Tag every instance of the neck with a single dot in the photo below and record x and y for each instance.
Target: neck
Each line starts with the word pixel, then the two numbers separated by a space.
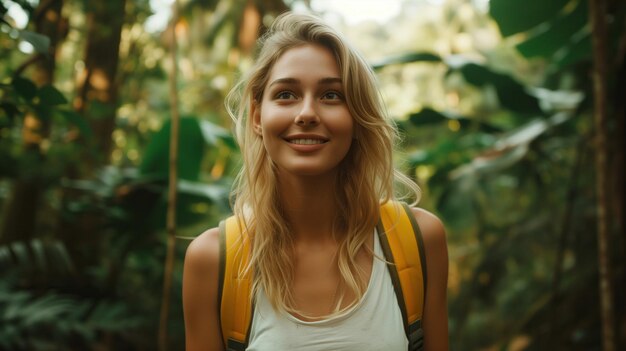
pixel 310 207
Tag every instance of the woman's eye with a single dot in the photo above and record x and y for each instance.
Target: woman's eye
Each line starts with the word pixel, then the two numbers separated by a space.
pixel 332 95
pixel 285 95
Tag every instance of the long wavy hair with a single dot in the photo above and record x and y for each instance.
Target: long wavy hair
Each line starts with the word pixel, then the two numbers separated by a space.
pixel 365 179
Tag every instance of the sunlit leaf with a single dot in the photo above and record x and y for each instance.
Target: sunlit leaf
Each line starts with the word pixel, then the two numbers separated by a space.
pixel 509 149
pixel 527 133
pixel 407 58
pixel 212 132
pixel 558 99
pixel 420 157
pixel 491 162
pixel 210 191
pixel 40 42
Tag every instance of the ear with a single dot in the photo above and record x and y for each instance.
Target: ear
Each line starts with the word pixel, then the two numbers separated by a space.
pixel 255 115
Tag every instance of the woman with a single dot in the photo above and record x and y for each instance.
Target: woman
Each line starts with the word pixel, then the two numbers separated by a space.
pixel 317 150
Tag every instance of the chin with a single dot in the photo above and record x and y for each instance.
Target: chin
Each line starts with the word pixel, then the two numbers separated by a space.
pixel 309 170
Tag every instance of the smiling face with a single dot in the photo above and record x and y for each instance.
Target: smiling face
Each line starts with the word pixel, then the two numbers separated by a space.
pixel 302 117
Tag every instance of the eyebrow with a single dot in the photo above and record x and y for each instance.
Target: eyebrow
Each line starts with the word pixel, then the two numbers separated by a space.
pixel 323 81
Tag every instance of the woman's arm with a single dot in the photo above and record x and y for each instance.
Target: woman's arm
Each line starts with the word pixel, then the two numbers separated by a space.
pixel 435 319
pixel 200 284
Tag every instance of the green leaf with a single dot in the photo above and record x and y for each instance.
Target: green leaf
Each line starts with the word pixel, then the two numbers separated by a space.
pixel 530 131
pixel 557 33
pixel 229 141
pixel 193 197
pixel 212 132
pixel 492 162
pixel 420 157
pixel 552 100
pixel 509 149
pixel 511 94
pixel 51 96
pixel 407 58
pixel 577 51
pixel 428 116
pixel 40 42
pixel 25 88
pixel 212 192
pixel 190 151
pixel 514 16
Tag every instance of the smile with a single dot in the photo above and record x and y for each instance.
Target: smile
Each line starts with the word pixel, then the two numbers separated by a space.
pixel 307 141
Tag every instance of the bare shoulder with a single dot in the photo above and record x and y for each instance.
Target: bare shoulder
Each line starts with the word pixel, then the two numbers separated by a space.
pixel 203 252
pixel 432 228
pixel 435 246
pixel 200 293
pixel 435 317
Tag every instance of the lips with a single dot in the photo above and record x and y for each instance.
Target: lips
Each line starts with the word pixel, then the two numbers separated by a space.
pixel 306 139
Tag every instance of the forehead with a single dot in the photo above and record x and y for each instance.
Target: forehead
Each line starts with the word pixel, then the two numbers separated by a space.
pixel 306 61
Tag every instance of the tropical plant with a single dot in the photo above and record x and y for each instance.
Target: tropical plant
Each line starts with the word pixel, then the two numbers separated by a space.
pixel 510 180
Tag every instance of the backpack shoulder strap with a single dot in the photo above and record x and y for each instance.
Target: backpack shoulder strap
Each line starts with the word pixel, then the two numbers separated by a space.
pixel 402 244
pixel 234 290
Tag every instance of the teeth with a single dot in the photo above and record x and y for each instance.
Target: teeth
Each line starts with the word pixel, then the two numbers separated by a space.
pixel 306 141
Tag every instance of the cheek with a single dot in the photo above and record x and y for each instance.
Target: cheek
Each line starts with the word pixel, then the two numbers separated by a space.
pixel 271 125
pixel 344 125
pixel 272 117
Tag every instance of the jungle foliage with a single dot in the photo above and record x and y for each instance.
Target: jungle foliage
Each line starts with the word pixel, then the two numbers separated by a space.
pixel 505 158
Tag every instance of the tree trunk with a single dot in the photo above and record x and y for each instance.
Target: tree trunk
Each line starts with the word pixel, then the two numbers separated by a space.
pixel 97 102
pixel 20 214
pixel 617 160
pixel 597 16
pixel 98 87
pixel 172 186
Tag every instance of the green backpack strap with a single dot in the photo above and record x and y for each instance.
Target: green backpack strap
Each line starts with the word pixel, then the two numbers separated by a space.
pixel 403 246
pixel 236 305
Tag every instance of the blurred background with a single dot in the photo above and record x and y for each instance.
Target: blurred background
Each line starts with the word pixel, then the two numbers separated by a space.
pixel 514 137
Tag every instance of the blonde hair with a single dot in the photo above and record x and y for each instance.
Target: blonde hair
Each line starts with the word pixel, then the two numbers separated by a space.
pixel 366 175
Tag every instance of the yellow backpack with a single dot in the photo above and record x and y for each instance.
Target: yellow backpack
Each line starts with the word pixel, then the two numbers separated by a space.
pixel 402 244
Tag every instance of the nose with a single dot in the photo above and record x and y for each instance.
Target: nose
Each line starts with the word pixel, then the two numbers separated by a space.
pixel 307 116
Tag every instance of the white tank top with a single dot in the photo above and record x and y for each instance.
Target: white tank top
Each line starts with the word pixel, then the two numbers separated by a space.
pixel 375 323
